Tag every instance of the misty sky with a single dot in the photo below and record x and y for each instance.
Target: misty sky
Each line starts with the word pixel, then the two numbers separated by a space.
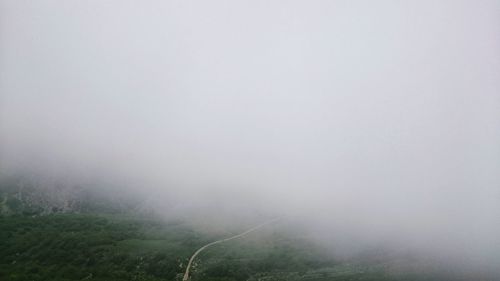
pixel 373 116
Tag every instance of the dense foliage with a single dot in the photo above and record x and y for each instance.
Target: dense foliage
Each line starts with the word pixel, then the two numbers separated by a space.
pixel 81 236
pixel 77 247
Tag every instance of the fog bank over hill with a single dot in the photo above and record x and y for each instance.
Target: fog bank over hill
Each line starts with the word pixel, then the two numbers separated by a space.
pixel 363 123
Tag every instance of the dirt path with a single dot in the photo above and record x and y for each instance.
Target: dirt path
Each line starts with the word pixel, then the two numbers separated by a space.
pixel 186 274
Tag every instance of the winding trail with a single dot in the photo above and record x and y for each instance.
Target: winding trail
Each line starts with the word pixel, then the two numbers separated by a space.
pixel 186 274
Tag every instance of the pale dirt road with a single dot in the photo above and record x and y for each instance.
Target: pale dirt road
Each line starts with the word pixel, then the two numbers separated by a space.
pixel 186 274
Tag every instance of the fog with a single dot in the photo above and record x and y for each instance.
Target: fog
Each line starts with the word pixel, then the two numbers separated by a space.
pixel 366 122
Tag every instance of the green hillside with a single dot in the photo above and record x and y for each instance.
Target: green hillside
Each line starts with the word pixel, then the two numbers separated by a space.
pixel 93 238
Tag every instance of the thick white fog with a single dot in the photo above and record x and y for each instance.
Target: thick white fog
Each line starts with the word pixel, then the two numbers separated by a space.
pixel 373 120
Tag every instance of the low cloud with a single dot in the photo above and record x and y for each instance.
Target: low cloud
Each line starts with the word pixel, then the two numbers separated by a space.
pixel 376 124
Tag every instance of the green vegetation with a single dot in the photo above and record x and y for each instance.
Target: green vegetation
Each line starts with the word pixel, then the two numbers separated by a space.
pixel 86 238
pixel 77 247
pixel 108 247
pixel 270 255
